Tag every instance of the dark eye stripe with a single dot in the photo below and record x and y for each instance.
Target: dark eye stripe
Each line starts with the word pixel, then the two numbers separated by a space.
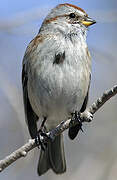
pixel 72 15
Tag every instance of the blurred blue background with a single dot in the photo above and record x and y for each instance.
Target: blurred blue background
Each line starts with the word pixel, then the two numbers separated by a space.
pixel 93 155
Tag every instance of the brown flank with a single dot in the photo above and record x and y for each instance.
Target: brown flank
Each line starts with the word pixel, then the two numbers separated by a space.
pixel 33 44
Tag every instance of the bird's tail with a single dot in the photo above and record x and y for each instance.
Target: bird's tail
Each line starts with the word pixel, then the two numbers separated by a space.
pixel 53 157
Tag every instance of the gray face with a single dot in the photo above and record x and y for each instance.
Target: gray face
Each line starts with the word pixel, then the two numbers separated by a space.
pixel 66 14
pixel 66 10
pixel 66 19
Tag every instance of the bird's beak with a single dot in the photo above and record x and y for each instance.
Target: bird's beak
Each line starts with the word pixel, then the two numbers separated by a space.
pixel 88 21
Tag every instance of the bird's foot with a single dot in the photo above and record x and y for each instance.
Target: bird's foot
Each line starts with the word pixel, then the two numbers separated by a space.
pixel 76 117
pixel 41 139
pixel 85 116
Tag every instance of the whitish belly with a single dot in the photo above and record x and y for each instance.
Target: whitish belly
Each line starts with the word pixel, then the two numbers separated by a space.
pixel 58 92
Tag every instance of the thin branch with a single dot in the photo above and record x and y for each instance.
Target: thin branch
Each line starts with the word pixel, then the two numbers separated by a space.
pixel 104 98
pixel 22 152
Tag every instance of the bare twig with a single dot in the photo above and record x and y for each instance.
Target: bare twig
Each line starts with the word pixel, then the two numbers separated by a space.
pixel 22 152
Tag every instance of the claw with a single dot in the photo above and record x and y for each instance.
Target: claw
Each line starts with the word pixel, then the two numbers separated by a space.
pixel 42 138
pixel 39 140
pixel 76 116
pixel 81 129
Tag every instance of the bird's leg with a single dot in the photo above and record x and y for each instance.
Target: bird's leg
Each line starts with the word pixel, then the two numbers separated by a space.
pixel 76 117
pixel 43 122
pixel 42 136
pixel 39 139
pixel 80 118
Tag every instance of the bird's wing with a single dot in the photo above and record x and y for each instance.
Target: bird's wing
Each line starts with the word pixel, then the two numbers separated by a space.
pixel 30 115
pixel 73 131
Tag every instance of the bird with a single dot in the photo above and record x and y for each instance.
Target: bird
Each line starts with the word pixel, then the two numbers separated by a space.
pixel 56 75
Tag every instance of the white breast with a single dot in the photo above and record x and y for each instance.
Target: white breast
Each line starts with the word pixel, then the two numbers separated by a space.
pixel 56 90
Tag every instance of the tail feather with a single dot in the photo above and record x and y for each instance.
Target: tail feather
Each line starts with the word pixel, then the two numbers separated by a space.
pixel 53 157
pixel 44 162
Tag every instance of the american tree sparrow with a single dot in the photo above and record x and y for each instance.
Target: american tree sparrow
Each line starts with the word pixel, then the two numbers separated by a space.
pixel 56 78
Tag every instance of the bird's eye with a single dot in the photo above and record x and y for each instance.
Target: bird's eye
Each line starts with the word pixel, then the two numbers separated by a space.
pixel 72 15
